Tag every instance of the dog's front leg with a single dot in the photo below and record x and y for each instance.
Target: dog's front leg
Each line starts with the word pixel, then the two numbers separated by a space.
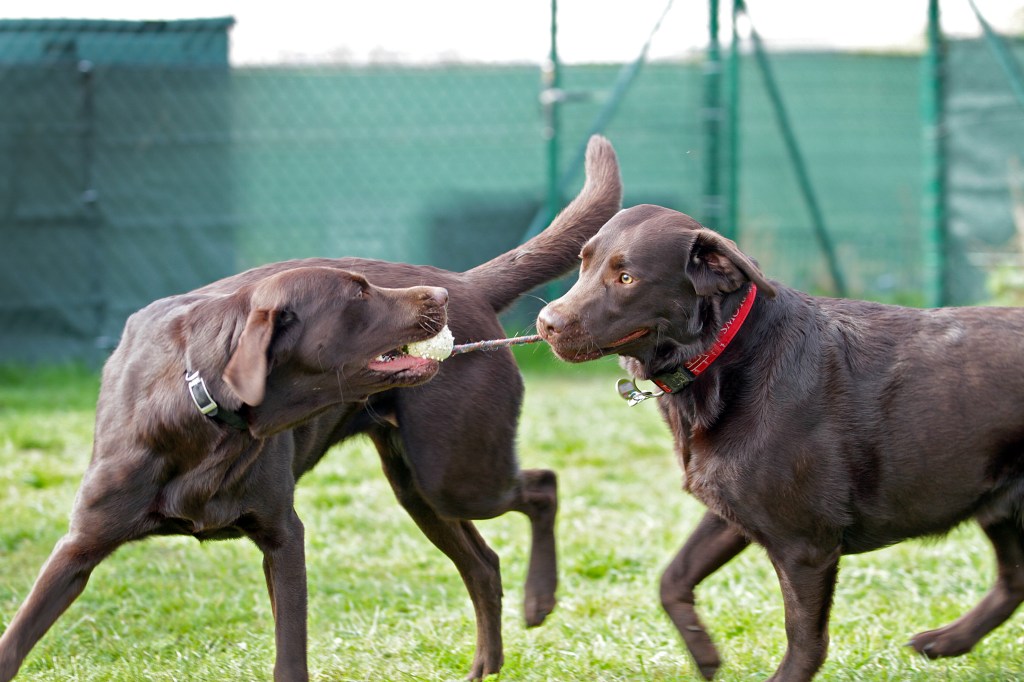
pixel 284 565
pixel 712 544
pixel 807 574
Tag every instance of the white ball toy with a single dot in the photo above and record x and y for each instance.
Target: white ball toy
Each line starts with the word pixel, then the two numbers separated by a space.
pixel 435 348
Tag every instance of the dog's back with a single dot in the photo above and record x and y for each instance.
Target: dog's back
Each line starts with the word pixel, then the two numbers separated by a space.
pixel 923 409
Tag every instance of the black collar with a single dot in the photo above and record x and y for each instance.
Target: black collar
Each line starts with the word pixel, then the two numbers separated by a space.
pixel 208 406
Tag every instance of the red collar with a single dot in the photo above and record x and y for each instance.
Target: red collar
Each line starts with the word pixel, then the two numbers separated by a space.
pixel 673 382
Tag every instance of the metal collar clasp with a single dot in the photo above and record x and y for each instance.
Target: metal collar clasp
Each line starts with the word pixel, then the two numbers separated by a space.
pixel 628 391
pixel 201 395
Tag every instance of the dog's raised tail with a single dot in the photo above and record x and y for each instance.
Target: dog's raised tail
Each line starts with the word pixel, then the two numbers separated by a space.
pixel 554 251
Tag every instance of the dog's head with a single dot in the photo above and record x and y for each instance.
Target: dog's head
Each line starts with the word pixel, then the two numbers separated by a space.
pixel 309 337
pixel 651 285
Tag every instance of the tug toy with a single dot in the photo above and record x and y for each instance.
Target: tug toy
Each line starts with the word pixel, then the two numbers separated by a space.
pixel 494 344
pixel 443 345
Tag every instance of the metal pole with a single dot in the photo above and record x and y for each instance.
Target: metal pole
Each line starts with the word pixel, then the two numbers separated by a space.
pixel 1007 61
pixel 797 159
pixel 731 228
pixel 712 114
pixel 89 210
pixel 627 74
pixel 933 218
pixel 551 98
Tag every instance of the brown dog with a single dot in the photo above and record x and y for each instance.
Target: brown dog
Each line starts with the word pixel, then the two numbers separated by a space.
pixel 814 427
pixel 299 356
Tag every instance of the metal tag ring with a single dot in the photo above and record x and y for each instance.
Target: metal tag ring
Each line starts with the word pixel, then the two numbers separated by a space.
pixel 628 391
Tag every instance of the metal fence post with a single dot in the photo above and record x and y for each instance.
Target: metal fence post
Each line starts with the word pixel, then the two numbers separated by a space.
pixel 733 167
pixel 551 97
pixel 711 113
pixel 1007 62
pixel 627 75
pixel 803 177
pixel 933 217
pixel 88 208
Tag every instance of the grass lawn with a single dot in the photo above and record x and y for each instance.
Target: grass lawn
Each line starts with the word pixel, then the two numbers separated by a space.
pixel 385 605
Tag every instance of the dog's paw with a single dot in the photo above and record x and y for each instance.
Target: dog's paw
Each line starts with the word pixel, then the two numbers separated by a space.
pixel 484 665
pixel 942 643
pixel 536 609
pixel 708 670
pixel 707 662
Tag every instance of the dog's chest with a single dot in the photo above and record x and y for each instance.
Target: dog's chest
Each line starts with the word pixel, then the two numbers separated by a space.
pixel 717 475
pixel 710 478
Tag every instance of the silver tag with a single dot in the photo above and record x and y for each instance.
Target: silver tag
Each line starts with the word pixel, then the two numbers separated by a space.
pixel 628 391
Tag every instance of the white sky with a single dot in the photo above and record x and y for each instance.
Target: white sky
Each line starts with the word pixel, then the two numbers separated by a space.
pixel 518 30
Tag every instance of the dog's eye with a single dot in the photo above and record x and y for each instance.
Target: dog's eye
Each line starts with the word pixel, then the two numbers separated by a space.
pixel 626 278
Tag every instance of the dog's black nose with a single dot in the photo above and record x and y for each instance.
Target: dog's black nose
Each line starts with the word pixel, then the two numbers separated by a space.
pixel 550 322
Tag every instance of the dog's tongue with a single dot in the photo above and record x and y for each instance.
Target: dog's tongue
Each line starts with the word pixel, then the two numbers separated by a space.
pixel 396 362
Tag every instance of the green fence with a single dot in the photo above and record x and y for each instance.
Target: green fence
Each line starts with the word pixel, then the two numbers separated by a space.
pixel 984 144
pixel 136 164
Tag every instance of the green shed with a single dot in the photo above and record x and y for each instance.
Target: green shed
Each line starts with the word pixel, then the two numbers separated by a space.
pixel 113 132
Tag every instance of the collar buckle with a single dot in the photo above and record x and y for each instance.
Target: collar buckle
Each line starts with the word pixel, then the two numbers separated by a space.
pixel 201 395
pixel 628 391
pixel 673 382
pixel 208 406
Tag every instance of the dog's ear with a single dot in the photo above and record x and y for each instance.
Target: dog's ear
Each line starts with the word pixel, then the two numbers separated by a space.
pixel 715 265
pixel 247 369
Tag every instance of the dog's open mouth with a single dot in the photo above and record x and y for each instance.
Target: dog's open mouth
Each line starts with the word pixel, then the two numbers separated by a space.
pixel 632 336
pixel 418 358
pixel 397 360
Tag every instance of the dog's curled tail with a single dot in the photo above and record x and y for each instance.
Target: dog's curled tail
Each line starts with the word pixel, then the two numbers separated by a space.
pixel 554 251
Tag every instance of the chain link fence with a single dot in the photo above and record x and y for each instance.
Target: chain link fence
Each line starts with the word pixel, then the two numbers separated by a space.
pixel 984 152
pixel 137 164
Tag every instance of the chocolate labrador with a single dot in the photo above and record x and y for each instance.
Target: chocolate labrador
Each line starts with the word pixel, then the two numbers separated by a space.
pixel 215 402
pixel 812 426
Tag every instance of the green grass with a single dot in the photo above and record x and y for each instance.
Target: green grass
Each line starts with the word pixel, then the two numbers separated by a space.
pixel 385 605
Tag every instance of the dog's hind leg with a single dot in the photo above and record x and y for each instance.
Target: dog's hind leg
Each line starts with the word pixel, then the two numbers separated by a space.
pixel 61 580
pixel 461 542
pixel 1006 595
pixel 713 543
pixel 539 501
